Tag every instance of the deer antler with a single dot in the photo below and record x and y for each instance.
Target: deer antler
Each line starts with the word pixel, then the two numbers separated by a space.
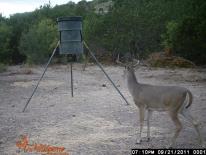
pixel 120 63
pixel 136 62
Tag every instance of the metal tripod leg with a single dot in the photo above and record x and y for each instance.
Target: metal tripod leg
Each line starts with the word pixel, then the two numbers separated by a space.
pixel 41 77
pixel 100 66
pixel 71 80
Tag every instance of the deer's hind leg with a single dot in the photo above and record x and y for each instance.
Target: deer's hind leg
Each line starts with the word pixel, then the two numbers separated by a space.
pixel 175 119
pixel 194 122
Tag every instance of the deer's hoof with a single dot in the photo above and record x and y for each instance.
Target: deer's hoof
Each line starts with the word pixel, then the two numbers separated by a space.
pixel 201 142
pixel 169 146
pixel 148 139
pixel 139 141
pixel 202 145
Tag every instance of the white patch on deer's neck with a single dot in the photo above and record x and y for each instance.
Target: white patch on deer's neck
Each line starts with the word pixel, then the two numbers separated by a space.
pixel 131 81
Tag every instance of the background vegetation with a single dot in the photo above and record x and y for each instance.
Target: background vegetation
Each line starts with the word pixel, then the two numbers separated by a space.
pixel 138 27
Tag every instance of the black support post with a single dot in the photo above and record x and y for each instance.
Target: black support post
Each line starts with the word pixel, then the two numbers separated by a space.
pixel 71 80
pixel 54 51
pixel 101 67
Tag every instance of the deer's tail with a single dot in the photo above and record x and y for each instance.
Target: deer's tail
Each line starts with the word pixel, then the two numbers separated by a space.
pixel 190 99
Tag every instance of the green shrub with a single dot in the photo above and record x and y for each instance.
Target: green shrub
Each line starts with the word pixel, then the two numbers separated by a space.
pixel 162 60
pixel 38 43
pixel 3 67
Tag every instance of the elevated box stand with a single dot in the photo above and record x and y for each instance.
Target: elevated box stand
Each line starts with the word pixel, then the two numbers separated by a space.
pixel 70 44
pixel 70 32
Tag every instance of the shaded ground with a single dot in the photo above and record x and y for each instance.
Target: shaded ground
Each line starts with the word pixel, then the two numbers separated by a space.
pixel 96 120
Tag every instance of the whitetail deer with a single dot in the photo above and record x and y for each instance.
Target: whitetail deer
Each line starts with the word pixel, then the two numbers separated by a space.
pixel 172 99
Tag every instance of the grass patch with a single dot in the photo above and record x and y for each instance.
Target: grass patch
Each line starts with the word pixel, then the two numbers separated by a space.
pixel 162 60
pixel 3 67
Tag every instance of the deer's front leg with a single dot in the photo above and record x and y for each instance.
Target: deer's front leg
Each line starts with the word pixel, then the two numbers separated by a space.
pixel 149 115
pixel 141 113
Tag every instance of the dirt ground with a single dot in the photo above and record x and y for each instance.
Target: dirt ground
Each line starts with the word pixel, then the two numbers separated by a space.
pixel 96 120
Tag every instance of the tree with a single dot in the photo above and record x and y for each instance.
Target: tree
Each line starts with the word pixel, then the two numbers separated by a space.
pixel 186 36
pixel 5 36
pixel 39 41
pixel 190 41
pixel 139 27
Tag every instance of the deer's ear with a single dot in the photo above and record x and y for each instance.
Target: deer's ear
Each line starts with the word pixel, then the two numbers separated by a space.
pixel 125 67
